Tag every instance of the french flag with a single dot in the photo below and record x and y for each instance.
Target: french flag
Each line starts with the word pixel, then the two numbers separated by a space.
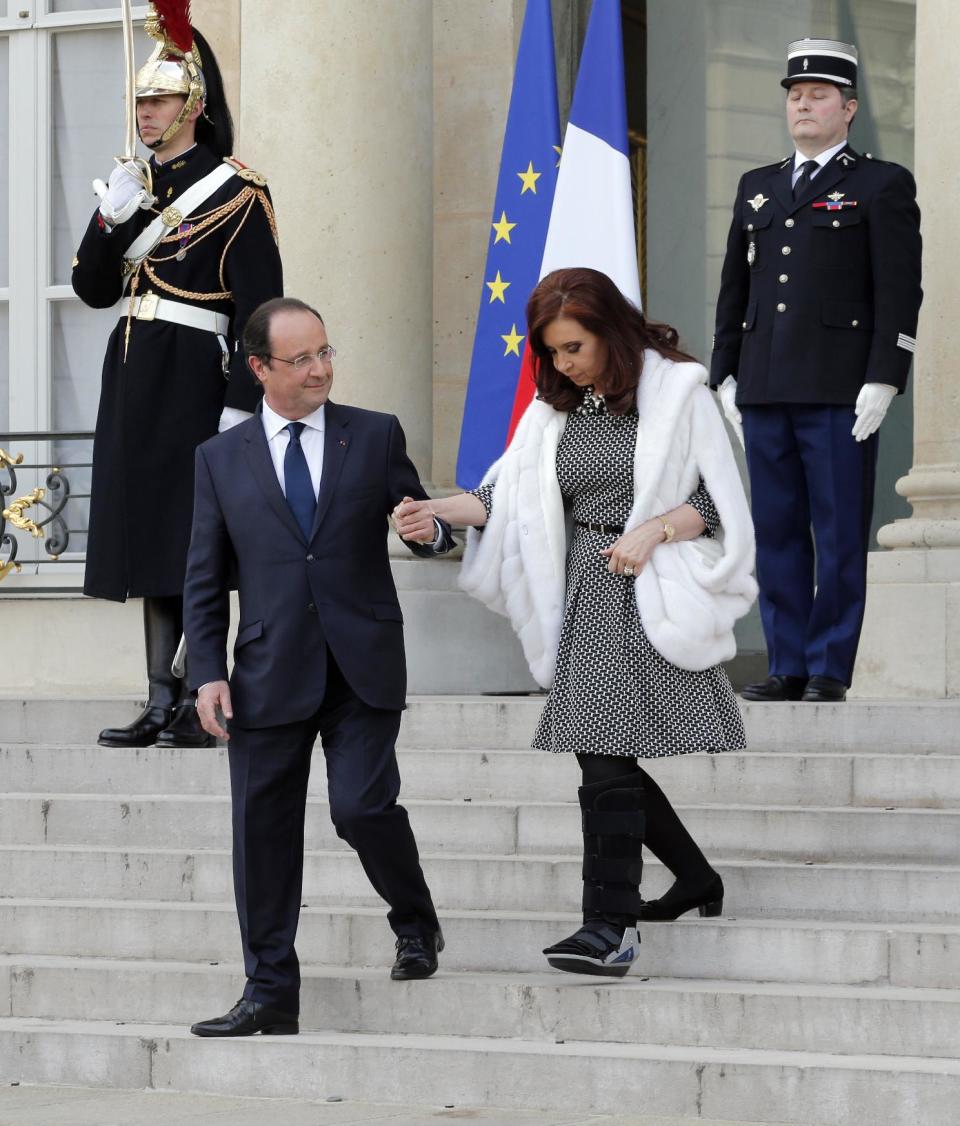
pixel 590 223
pixel 592 219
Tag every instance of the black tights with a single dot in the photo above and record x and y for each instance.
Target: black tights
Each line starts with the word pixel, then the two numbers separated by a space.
pixel 666 836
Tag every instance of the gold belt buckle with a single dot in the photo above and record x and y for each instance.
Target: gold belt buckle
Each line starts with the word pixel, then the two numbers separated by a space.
pixel 147 309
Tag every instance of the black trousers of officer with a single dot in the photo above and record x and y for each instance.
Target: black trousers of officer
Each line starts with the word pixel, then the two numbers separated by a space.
pixel 811 486
pixel 269 771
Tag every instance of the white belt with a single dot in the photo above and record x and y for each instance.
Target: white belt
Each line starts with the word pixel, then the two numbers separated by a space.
pixel 150 307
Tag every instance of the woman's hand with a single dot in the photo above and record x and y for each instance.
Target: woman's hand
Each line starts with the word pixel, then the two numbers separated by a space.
pixel 629 555
pixel 413 520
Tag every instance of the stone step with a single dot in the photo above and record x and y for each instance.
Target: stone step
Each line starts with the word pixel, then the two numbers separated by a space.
pixel 505 827
pixel 908 955
pixel 549 1006
pixel 861 891
pixel 762 1085
pixel 748 778
pixel 477 722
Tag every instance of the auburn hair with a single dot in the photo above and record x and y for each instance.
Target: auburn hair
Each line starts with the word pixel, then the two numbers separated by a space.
pixel 592 299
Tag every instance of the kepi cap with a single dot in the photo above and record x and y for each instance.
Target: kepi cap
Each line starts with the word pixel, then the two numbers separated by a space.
pixel 826 60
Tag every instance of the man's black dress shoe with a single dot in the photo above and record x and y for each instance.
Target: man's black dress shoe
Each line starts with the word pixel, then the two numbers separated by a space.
pixel 824 690
pixel 775 688
pixel 416 956
pixel 142 732
pixel 247 1017
pixel 185 730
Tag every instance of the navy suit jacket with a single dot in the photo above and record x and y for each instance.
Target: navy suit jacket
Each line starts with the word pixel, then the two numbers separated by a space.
pixel 819 294
pixel 298 595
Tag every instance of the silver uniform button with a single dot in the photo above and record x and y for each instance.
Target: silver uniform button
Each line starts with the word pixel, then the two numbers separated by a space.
pixel 788 223
pixel 855 323
pixel 749 226
pixel 785 250
pixel 781 308
pixel 836 222
pixel 784 278
pixel 744 325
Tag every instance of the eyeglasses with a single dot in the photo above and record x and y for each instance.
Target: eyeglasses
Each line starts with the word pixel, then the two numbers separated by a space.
pixel 308 359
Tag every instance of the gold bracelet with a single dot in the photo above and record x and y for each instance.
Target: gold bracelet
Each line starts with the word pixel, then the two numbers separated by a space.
pixel 669 531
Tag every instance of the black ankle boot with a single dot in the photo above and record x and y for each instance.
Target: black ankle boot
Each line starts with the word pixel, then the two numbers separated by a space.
pixel 697 885
pixel 185 730
pixel 681 898
pixel 608 942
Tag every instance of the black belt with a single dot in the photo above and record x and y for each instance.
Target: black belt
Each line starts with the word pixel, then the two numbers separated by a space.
pixel 603 529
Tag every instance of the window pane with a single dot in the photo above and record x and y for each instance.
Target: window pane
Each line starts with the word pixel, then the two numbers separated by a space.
pixel 4 155
pixel 78 337
pixel 4 367
pixel 86 78
pixel 83 5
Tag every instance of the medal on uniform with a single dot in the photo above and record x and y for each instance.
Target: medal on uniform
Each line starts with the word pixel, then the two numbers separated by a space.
pixel 758 201
pixel 751 253
pixel 186 229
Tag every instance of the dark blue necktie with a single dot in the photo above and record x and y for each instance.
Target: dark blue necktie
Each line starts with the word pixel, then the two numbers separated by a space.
pixel 296 480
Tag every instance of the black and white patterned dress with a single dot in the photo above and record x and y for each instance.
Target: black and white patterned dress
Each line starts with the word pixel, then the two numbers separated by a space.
pixel 613 693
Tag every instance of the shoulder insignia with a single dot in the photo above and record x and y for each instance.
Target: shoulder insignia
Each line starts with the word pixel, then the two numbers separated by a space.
pixel 786 161
pixel 249 174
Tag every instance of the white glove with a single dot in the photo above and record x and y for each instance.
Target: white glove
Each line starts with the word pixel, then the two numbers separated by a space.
pixel 872 404
pixel 230 417
pixel 122 195
pixel 728 400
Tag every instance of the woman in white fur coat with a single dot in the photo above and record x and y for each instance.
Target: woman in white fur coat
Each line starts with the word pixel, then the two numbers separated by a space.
pixel 617 539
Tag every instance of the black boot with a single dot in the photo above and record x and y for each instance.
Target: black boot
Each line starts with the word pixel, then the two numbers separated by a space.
pixel 613 826
pixel 697 885
pixel 185 730
pixel 162 627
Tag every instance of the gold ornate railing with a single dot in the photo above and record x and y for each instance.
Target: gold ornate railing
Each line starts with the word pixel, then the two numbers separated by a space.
pixel 42 511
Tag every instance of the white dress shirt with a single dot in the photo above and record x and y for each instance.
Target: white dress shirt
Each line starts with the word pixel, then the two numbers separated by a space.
pixel 311 441
pixel 822 158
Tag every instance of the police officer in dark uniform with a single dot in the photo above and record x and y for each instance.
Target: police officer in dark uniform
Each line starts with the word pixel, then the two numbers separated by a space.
pixel 191 253
pixel 816 327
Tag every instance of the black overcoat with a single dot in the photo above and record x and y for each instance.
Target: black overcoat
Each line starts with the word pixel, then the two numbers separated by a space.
pixel 821 294
pixel 165 398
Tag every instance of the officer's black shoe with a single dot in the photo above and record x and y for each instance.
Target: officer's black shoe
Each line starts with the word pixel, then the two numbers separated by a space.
pixel 824 690
pixel 184 730
pixel 775 688
pixel 416 956
pixel 247 1017
pixel 142 732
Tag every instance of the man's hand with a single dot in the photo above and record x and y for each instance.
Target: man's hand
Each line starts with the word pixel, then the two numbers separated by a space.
pixel 212 696
pixel 413 520
pixel 728 400
pixel 872 404
pixel 122 195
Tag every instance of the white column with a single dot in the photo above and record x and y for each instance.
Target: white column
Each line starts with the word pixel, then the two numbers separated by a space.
pixel 911 639
pixel 336 110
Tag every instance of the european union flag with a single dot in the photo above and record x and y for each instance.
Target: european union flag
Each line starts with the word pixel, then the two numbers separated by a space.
pixel 518 231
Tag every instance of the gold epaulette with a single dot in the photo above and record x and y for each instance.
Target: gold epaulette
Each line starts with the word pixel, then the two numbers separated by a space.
pixel 249 174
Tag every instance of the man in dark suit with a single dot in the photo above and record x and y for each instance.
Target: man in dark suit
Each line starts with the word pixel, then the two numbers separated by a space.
pixel 816 327
pixel 294 504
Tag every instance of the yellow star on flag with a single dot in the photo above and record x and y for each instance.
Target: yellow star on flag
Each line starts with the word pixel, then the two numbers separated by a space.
pixel 559 152
pixel 512 341
pixel 503 228
pixel 529 179
pixel 497 289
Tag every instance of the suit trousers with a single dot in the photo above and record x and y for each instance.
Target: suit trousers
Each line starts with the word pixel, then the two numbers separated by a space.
pixel 812 491
pixel 269 771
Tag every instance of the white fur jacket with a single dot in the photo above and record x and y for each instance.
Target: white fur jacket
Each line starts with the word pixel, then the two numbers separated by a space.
pixel 689 595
